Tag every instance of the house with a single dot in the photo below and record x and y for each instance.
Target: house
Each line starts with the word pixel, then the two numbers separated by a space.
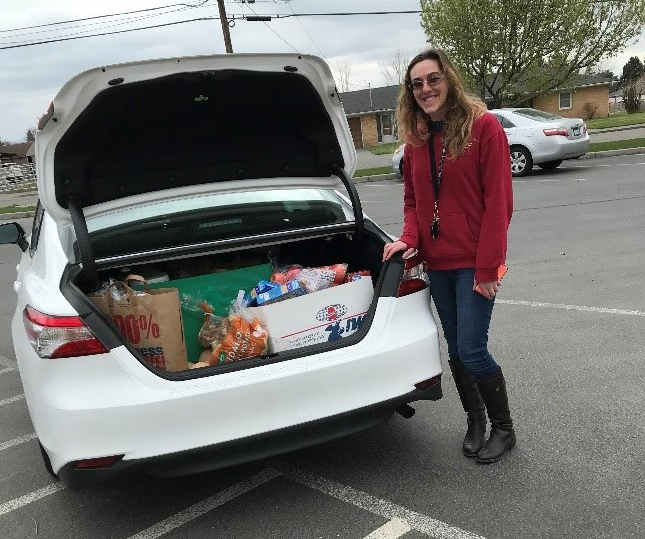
pixel 587 96
pixel 21 154
pixel 370 112
pixel 616 98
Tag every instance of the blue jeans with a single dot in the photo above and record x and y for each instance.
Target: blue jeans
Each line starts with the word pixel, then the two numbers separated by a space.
pixel 465 317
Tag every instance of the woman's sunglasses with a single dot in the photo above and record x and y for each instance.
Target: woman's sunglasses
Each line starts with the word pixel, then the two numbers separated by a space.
pixel 431 80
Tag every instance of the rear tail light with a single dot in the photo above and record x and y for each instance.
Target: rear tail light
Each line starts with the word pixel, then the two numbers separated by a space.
pixel 556 131
pixel 414 277
pixel 430 382
pixel 59 336
pixel 101 462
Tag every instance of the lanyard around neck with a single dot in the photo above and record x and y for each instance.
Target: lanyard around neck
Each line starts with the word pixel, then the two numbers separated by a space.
pixel 436 175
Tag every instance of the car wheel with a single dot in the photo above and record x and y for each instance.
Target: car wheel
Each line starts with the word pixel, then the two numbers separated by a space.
pixel 550 165
pixel 46 461
pixel 521 161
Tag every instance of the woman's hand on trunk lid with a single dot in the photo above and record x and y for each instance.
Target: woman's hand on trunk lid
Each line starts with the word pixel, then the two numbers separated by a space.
pixel 390 248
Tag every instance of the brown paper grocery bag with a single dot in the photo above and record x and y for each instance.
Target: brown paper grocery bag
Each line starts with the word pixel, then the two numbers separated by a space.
pixel 151 321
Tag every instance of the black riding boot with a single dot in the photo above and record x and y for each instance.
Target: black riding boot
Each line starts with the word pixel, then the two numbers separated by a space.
pixel 473 406
pixel 502 435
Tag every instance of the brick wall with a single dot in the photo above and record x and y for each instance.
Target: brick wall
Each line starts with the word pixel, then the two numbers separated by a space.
pixel 596 95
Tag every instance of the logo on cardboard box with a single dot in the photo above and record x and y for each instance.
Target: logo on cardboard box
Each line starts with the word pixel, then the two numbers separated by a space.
pixel 331 313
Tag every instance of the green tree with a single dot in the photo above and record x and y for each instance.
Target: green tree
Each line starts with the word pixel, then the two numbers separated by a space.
pixel 517 50
pixel 632 70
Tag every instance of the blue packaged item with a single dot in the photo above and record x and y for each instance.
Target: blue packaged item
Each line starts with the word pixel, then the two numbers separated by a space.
pixel 279 292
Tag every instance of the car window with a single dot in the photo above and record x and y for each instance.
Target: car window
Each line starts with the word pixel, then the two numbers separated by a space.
pixel 35 228
pixel 193 220
pixel 538 115
pixel 506 123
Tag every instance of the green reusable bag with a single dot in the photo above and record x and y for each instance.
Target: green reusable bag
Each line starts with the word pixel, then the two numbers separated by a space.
pixel 219 290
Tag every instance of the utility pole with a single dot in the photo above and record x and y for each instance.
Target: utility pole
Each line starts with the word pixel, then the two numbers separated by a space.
pixel 224 20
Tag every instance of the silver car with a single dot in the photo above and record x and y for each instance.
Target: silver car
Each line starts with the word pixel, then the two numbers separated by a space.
pixel 540 138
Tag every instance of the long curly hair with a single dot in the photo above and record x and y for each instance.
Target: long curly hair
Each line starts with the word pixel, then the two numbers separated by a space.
pixel 462 109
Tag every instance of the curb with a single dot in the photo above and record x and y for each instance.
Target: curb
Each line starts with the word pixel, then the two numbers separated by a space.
pixel 12 216
pixel 614 129
pixel 611 153
pixel 375 178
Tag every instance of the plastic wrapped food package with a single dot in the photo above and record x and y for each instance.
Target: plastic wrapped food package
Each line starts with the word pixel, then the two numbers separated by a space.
pixel 311 279
pixel 243 339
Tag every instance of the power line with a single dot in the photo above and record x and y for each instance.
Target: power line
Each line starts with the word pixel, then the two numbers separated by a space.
pixel 307 32
pixel 231 17
pixel 109 33
pixel 112 24
pixel 105 16
pixel 276 33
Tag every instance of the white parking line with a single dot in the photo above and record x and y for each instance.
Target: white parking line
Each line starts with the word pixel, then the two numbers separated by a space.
pixel 197 510
pixel 390 530
pixel 570 307
pixel 12 399
pixel 29 498
pixel 17 441
pixel 417 521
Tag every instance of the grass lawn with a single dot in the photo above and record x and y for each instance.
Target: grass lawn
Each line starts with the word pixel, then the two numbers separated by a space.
pixel 14 208
pixel 382 149
pixel 372 171
pixel 617 145
pixel 617 120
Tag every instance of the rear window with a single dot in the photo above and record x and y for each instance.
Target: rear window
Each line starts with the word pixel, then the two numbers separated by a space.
pixel 537 115
pixel 193 220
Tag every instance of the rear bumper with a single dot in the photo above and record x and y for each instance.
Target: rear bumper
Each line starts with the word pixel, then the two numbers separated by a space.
pixel 225 455
pixel 561 149
pixel 110 404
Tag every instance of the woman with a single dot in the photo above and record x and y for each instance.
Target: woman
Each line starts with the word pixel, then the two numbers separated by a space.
pixel 458 202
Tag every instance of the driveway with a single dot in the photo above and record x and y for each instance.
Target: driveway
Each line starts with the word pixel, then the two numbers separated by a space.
pixel 366 159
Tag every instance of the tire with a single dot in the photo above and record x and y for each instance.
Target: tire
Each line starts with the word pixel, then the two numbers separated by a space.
pixel 47 462
pixel 521 161
pixel 550 165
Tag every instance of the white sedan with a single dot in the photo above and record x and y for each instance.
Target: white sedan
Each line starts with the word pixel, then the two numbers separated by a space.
pixel 540 138
pixel 152 168
pixel 535 137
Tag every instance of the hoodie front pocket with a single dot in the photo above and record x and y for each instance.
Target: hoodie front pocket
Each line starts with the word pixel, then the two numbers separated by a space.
pixel 455 238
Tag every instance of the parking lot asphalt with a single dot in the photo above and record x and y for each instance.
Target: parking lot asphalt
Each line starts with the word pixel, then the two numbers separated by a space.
pixel 568 331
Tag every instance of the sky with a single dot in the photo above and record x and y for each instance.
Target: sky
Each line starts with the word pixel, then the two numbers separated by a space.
pixel 30 76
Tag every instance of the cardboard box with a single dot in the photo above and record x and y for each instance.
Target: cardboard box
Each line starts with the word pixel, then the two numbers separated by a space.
pixel 326 315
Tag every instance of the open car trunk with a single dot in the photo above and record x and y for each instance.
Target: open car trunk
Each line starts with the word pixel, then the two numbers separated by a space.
pixel 218 276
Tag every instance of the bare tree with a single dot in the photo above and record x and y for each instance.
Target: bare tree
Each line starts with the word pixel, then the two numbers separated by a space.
pixel 394 69
pixel 342 74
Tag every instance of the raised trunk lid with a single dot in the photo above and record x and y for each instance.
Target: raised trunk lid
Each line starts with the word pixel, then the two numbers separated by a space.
pixel 170 128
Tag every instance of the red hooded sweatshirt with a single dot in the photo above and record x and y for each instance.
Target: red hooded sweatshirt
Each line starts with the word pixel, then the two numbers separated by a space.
pixel 475 202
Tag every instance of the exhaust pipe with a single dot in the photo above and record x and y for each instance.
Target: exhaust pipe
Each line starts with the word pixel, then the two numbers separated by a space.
pixel 405 410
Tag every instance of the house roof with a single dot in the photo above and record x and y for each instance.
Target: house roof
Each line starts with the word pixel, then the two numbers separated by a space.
pixel 385 98
pixel 577 81
pixel 17 150
pixel 370 100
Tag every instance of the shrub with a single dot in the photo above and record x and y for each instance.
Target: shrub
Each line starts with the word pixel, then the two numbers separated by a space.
pixel 632 99
pixel 590 110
